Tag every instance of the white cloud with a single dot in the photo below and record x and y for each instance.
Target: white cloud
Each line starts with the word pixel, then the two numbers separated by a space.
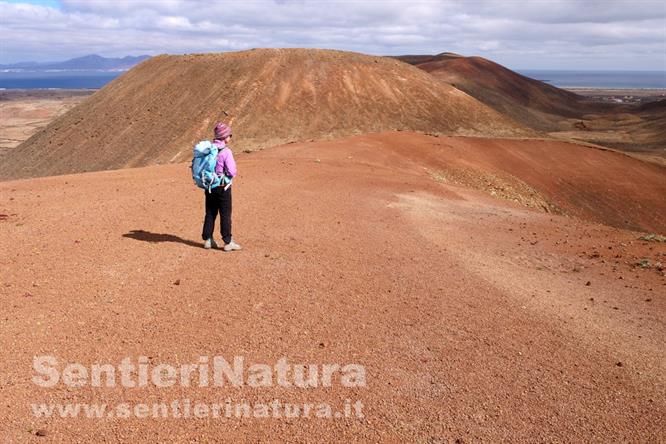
pixel 547 33
pixel 174 23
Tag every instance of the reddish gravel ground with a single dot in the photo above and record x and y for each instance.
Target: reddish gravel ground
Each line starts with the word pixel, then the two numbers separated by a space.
pixel 474 317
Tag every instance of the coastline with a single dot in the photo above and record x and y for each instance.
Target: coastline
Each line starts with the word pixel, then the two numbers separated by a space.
pixel 598 90
pixel 43 93
pixel 635 96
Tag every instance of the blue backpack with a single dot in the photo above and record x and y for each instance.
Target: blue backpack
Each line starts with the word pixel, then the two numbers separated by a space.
pixel 203 166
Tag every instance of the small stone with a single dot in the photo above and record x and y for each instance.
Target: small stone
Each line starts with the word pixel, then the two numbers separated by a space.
pixel 40 432
pixel 619 364
pixel 588 283
pixel 177 282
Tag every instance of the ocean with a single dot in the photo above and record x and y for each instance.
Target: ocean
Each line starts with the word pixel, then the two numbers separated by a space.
pixel 56 80
pixel 585 79
pixel 599 79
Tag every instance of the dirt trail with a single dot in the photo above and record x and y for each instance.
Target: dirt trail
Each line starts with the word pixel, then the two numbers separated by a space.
pixel 601 186
pixel 472 315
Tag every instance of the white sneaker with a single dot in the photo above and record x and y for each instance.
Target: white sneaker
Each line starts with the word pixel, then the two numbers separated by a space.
pixel 232 246
pixel 210 243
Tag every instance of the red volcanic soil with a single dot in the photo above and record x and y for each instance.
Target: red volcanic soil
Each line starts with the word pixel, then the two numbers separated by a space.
pixel 476 318
pixel 155 113
pixel 594 184
pixel 543 107
pixel 496 77
pixel 423 58
pixel 527 100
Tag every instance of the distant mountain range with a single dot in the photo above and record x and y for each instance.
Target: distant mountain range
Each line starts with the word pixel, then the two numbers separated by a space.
pixel 91 62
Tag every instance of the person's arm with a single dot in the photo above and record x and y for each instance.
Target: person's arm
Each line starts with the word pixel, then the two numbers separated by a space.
pixel 219 165
pixel 229 163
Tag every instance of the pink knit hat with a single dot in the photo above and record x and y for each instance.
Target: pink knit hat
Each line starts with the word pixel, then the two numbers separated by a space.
pixel 222 131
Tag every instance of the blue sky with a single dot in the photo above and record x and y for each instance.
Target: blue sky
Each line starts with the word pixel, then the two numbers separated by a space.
pixel 51 3
pixel 521 34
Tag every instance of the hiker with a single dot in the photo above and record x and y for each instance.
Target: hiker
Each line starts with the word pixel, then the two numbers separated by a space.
pixel 218 199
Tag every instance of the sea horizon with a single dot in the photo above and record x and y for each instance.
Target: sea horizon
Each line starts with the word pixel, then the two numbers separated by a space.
pixel 600 79
pixel 597 79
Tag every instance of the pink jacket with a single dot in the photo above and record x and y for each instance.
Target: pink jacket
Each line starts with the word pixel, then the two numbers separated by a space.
pixel 225 160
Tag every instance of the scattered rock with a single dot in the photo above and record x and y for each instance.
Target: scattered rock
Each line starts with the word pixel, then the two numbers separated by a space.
pixel 177 282
pixel 40 432
pixel 619 364
pixel 643 263
pixel 588 283
pixel 653 238
pixel 581 125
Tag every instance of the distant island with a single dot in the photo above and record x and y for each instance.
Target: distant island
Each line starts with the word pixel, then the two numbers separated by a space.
pixel 90 62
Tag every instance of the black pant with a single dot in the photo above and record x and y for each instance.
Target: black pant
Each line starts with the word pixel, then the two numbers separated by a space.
pixel 218 200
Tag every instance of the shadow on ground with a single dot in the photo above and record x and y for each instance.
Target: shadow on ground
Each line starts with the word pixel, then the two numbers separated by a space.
pixel 147 236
